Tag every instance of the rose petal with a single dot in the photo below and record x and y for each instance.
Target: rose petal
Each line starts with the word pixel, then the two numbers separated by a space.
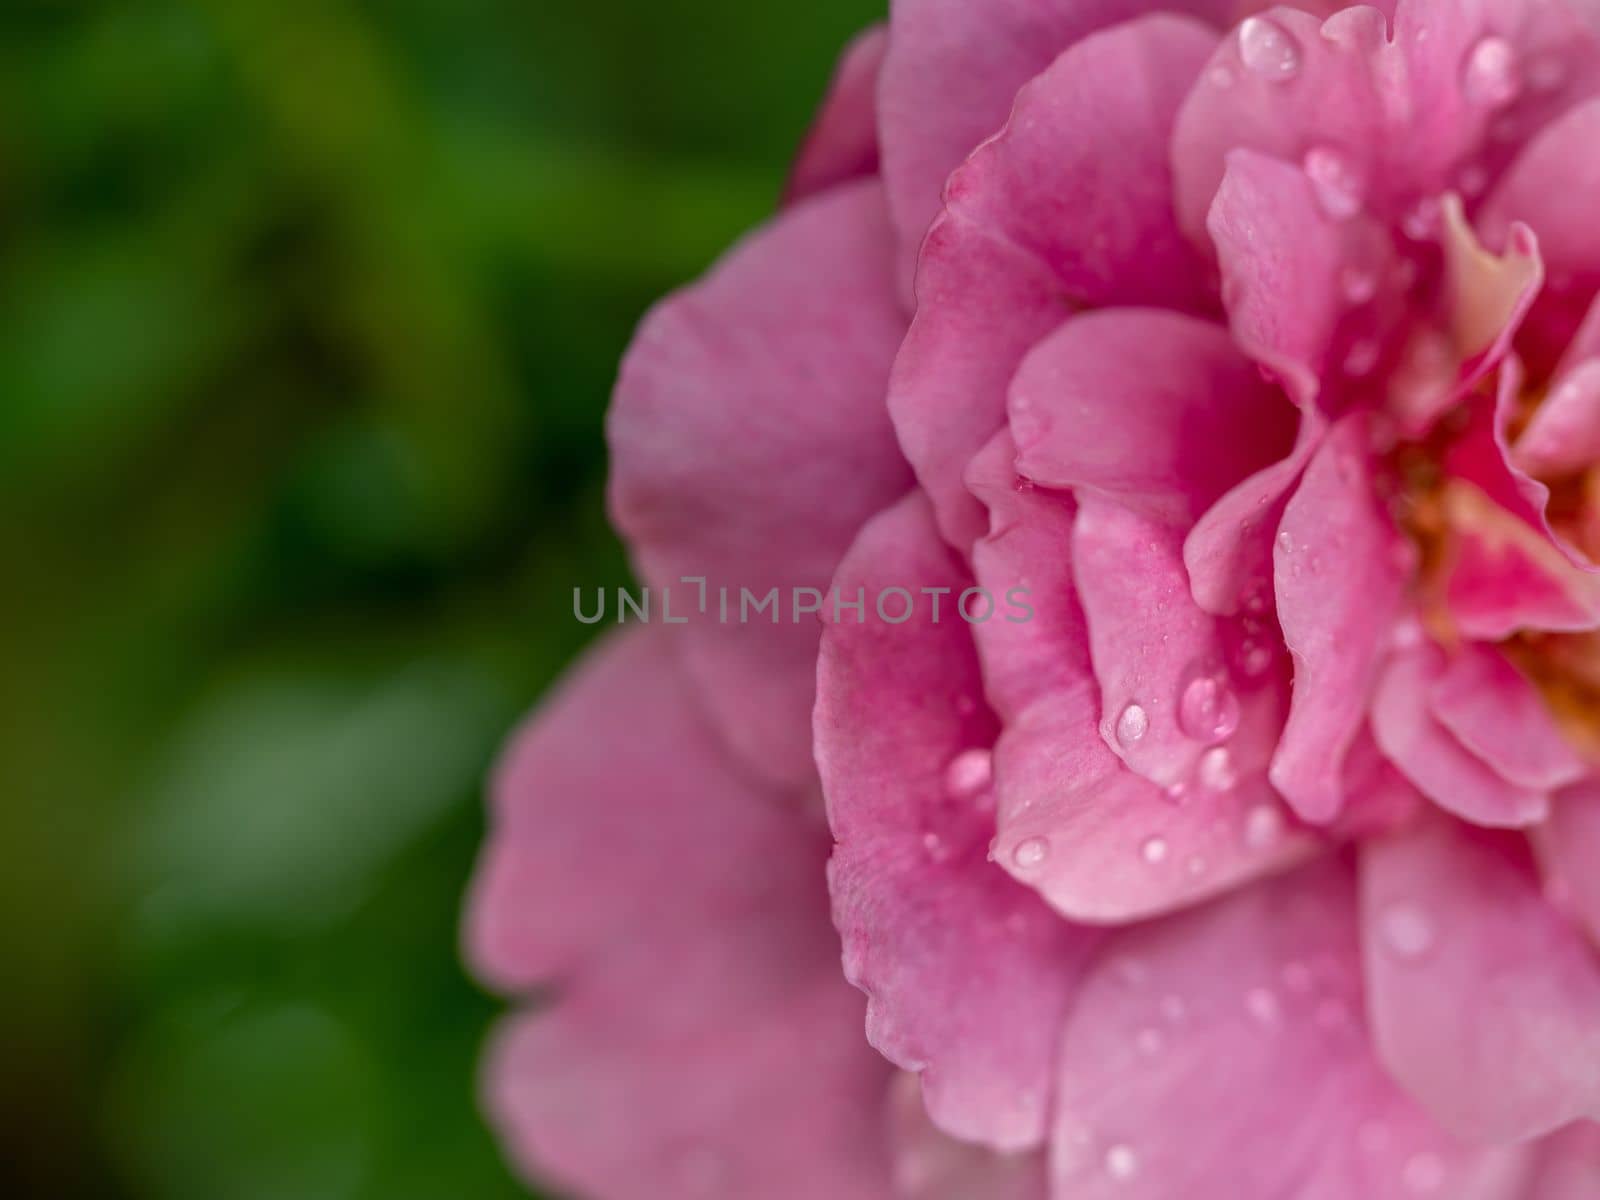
pixel 748 444
pixel 930 1165
pixel 967 973
pixel 1569 1164
pixel 1568 845
pixel 843 141
pixel 700 1042
pixel 1500 717
pixel 1339 566
pixel 1428 754
pixel 1248 1012
pixel 1485 1001
pixel 1069 204
pixel 1155 409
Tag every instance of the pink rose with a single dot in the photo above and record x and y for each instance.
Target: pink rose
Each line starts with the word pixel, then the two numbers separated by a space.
pixel 1233 832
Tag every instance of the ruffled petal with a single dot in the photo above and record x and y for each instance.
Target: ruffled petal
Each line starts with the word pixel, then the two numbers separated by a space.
pixel 953 71
pixel 1100 842
pixel 1069 205
pixel 1485 1001
pixel 843 142
pixel 1339 566
pixel 967 973
pixel 1290 268
pixel 1154 409
pixel 1499 716
pixel 749 441
pixel 1248 1012
pixel 699 1042
pixel 1428 754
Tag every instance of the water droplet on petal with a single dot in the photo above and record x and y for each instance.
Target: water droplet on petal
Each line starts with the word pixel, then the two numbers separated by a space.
pixel 1286 542
pixel 1254 659
pixel 1030 852
pixel 1154 850
pixel 1216 769
pixel 1263 825
pixel 969 773
pixel 1406 930
pixel 1421 220
pixel 1121 1162
pixel 1220 76
pixel 1177 792
pixel 1424 1174
pixel 1132 725
pixel 1268 49
pixel 1361 357
pixel 1490 74
pixel 1336 182
pixel 1262 1005
pixel 936 847
pixel 1208 709
pixel 1358 285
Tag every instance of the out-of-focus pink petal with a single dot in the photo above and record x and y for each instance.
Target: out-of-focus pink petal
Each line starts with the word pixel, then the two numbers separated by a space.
pixel 1428 754
pixel 1099 842
pixel 953 71
pixel 749 441
pixel 931 1165
pixel 1289 267
pixel 1246 1011
pixel 843 142
pixel 1503 574
pixel 1069 205
pixel 1154 409
pixel 1500 717
pixel 1485 1001
pixel 1229 551
pixel 699 1042
pixel 1568 845
pixel 1339 565
pixel 967 973
pixel 1563 436
pixel 1568 1166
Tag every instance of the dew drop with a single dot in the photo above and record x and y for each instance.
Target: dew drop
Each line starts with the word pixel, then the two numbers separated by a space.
pixel 936 847
pixel 1423 1174
pixel 969 773
pixel 1361 358
pixel 1220 76
pixel 1208 709
pixel 1254 659
pixel 1421 220
pixel 1216 769
pixel 1286 542
pixel 1262 1005
pixel 1178 792
pixel 1336 182
pixel 1490 74
pixel 1263 825
pixel 1121 1162
pixel 1030 852
pixel 1406 930
pixel 1268 49
pixel 1358 285
pixel 1154 850
pixel 1132 725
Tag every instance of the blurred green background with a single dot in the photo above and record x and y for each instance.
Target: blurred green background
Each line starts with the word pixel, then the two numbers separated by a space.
pixel 308 314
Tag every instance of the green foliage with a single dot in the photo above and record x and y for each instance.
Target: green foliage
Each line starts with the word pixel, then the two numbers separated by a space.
pixel 308 314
